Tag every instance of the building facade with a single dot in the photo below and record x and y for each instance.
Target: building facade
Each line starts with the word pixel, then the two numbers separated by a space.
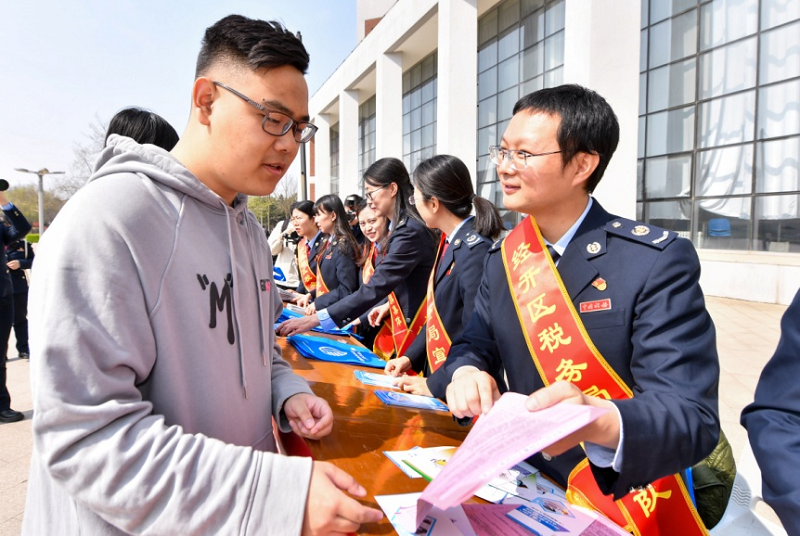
pixel 707 93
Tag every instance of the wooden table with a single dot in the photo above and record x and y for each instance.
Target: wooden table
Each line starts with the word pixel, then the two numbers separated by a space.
pixel 364 427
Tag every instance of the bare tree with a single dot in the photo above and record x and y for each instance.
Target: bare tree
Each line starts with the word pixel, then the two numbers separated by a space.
pixel 85 153
pixel 286 193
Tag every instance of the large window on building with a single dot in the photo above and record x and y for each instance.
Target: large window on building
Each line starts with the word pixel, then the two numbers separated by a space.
pixel 520 50
pixel 419 112
pixel 335 159
pixel 366 135
pixel 719 121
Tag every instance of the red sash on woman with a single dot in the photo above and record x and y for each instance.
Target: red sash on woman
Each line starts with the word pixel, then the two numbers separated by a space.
pixel 322 288
pixel 562 350
pixel 383 345
pixel 306 273
pixel 437 341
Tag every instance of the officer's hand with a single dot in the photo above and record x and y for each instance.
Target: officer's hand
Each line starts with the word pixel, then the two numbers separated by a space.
pixel 397 366
pixel 328 509
pixel 472 392
pixel 416 385
pixel 603 431
pixel 377 314
pixel 309 416
pixel 294 326
pixel 301 300
pixel 13 265
pixel 311 309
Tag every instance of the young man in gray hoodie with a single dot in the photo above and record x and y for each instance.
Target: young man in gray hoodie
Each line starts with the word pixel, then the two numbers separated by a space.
pixel 156 373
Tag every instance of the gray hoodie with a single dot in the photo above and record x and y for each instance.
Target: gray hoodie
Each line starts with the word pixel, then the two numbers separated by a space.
pixel 155 371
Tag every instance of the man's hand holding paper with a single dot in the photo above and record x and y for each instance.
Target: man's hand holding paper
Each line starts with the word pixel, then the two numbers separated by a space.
pixel 604 431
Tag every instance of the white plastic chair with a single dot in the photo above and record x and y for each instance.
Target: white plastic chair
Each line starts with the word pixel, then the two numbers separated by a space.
pixel 740 518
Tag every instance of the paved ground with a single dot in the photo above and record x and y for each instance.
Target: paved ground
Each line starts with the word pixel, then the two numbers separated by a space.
pixel 747 334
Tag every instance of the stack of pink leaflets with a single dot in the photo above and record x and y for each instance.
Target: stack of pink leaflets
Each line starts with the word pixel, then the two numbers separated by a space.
pixel 508 434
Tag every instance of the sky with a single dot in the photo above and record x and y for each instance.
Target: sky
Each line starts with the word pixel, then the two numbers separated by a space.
pixel 63 65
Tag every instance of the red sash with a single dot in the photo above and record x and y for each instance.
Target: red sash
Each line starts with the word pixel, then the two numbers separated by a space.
pixel 383 345
pixel 562 350
pixel 322 288
pixel 437 341
pixel 402 334
pixel 306 274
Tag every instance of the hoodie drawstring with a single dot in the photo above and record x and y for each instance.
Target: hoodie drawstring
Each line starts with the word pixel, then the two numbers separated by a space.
pixel 258 269
pixel 234 287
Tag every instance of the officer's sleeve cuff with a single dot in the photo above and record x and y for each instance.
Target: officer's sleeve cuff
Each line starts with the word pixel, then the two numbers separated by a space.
pixel 325 320
pixel 8 206
pixel 603 456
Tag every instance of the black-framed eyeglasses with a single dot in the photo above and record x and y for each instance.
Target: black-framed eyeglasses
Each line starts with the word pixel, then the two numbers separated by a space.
pixel 518 159
pixel 277 123
pixel 369 195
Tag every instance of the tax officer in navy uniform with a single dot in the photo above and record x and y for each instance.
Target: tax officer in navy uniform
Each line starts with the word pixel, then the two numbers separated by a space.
pixel 637 284
pixel 336 259
pixel 773 423
pixel 312 239
pixel 408 258
pixel 15 228
pixel 446 200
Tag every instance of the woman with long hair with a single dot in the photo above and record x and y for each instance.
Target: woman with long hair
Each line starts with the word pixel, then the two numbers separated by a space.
pixel 402 273
pixel 337 272
pixel 311 242
pixel 444 196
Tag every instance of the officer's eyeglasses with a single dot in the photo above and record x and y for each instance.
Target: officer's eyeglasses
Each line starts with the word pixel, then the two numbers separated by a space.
pixel 369 195
pixel 277 123
pixel 518 159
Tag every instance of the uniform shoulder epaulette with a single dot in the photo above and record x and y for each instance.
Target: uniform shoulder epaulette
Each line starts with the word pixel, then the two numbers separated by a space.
pixel 644 233
pixel 496 245
pixel 473 239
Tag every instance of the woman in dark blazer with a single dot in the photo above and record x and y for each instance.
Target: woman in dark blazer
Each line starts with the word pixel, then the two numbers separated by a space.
pixel 409 255
pixel 337 272
pixel 311 242
pixel 445 199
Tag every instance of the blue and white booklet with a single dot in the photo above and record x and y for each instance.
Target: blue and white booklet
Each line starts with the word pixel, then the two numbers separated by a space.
pixel 325 349
pixel 376 380
pixel 406 400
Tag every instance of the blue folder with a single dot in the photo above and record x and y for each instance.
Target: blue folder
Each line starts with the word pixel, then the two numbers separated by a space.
pixel 324 349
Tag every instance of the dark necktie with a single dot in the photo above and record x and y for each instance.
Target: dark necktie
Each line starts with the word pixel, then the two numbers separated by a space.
pixel 553 253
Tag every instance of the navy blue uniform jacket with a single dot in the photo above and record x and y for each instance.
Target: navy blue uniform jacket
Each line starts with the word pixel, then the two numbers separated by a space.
pixel 316 248
pixel 16 231
pixel 773 423
pixel 17 251
pixel 657 336
pixel 339 271
pixel 457 278
pixel 409 259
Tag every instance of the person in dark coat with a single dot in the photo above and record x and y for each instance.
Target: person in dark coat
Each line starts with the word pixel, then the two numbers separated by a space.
pixel 337 271
pixel 312 240
pixel 408 255
pixel 773 423
pixel 634 288
pixel 351 203
pixel 20 258
pixel 15 228
pixel 445 198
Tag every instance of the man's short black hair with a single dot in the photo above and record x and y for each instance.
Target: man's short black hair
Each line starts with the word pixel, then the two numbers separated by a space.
pixel 256 44
pixel 588 124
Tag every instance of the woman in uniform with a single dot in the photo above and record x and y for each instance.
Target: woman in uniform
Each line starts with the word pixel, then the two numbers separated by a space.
pixel 311 242
pixel 402 275
pixel 445 199
pixel 337 272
